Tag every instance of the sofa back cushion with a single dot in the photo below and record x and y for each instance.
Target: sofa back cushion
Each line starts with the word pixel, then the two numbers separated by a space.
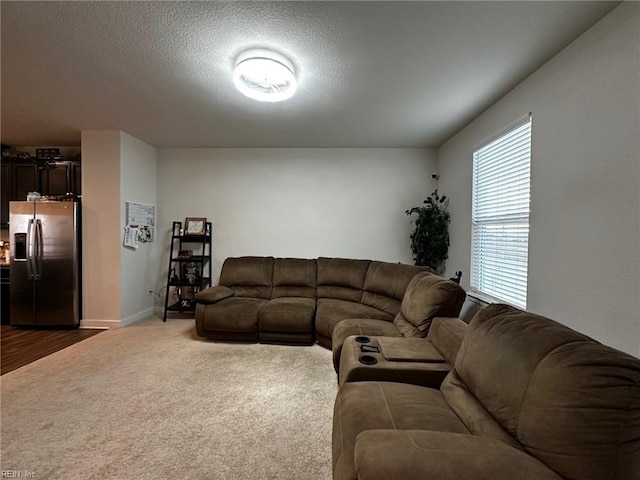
pixel 572 402
pixel 248 276
pixel 427 296
pixel 385 284
pixel 294 277
pixel 341 278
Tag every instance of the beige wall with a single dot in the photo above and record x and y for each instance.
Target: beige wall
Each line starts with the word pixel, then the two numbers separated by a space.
pixel 101 228
pixel 296 202
pixel 115 168
pixel 584 260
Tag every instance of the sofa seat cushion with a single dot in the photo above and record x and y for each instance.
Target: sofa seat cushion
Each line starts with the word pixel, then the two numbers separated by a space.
pixel 359 326
pixel 363 406
pixel 442 455
pixel 332 311
pixel 287 314
pixel 235 314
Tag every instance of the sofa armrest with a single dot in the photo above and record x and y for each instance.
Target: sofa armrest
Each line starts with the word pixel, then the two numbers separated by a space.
pixel 446 334
pixel 421 454
pixel 213 294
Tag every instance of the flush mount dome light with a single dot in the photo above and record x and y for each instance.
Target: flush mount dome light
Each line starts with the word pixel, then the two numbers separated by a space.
pixel 264 76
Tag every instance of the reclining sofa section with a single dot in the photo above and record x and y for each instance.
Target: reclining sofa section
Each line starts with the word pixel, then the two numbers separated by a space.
pixel 528 398
pixel 294 300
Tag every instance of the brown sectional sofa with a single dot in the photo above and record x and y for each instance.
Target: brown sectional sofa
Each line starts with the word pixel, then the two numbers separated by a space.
pixel 292 300
pixel 528 398
pixel 512 395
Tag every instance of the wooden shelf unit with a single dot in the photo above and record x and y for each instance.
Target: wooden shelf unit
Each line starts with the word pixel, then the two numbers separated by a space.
pixel 187 275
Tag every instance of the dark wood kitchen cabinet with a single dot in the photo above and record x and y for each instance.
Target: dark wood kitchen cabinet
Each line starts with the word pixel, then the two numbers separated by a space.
pixel 21 176
pixel 57 180
pixel 24 179
pixel 76 177
pixel 5 193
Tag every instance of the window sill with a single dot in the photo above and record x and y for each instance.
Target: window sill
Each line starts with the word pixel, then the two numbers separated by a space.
pixel 483 299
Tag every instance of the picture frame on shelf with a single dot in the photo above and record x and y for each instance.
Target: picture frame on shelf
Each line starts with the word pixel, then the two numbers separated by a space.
pixel 185 253
pixel 195 226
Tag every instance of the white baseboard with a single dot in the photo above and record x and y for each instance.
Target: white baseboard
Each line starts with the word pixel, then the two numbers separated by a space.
pixel 94 323
pixel 138 316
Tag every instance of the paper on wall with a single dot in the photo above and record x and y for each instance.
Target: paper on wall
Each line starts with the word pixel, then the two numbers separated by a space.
pixel 130 236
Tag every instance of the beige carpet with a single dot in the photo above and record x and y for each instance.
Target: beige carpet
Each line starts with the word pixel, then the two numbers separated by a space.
pixel 152 401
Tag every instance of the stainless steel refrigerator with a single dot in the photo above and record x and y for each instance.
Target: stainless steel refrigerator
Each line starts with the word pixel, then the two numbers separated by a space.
pixel 45 285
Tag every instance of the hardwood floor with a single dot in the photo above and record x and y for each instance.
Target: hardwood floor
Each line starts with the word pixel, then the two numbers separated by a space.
pixel 20 346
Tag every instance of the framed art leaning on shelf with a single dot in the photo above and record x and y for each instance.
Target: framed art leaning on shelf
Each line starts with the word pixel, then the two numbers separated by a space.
pixel 195 226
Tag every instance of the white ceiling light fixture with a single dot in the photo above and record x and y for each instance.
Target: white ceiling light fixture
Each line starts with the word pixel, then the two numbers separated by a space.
pixel 264 76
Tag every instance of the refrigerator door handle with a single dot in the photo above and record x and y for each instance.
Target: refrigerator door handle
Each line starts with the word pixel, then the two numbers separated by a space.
pixel 39 251
pixel 30 250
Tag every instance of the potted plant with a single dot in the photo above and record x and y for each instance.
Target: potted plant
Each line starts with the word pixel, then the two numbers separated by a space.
pixel 430 239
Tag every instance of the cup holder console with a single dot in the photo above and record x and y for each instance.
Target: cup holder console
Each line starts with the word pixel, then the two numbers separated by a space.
pixel 368 359
pixel 363 339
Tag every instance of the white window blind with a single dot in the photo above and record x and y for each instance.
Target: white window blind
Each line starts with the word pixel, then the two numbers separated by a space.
pixel 500 216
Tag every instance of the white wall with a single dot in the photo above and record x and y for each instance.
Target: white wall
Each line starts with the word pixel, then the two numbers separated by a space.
pixel 138 267
pixel 296 202
pixel 584 258
pixel 101 228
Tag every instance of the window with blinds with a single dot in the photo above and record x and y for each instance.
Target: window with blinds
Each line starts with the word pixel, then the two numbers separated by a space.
pixel 500 215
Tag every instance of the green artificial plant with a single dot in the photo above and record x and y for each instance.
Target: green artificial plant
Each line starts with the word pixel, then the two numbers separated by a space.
pixel 430 239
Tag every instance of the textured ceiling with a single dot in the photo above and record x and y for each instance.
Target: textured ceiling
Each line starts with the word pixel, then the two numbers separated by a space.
pixel 371 74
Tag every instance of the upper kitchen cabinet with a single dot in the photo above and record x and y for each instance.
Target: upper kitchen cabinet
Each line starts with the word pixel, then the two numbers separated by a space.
pixel 24 178
pixel 59 178
pixel 76 177
pixel 5 192
pixel 54 178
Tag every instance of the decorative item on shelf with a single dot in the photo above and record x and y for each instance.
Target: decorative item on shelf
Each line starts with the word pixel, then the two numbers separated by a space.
pixel 195 226
pixel 177 295
pixel 430 239
pixel 13 152
pixel 174 277
pixel 191 272
pixel 192 294
pixel 185 253
pixel 47 152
